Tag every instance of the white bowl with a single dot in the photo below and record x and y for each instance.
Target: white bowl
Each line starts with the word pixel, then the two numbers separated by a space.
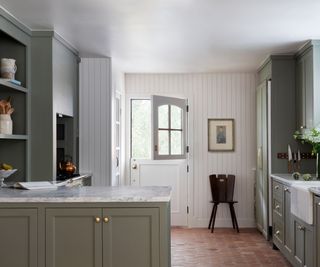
pixel 6 173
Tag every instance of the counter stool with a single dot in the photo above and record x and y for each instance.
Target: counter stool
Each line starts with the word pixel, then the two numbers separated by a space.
pixel 222 189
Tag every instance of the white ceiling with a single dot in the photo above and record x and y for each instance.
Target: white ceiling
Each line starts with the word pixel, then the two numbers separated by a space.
pixel 176 35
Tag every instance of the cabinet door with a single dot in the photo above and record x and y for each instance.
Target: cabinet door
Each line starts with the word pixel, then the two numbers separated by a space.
pixel 300 94
pixel 18 237
pixel 309 246
pixel 73 237
pixel 131 237
pixel 262 162
pixel 288 221
pixel 309 87
pixel 317 225
pixel 298 243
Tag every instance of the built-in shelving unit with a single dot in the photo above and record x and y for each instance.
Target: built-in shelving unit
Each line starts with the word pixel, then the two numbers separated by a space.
pixel 14 148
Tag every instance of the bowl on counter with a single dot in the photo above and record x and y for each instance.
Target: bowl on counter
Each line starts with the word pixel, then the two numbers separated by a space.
pixel 5 174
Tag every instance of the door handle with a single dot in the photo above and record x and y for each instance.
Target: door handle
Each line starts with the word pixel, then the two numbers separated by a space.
pixel 134 166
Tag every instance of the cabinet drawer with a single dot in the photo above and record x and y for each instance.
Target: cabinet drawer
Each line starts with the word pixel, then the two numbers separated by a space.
pixel 278 231
pixel 278 207
pixel 277 190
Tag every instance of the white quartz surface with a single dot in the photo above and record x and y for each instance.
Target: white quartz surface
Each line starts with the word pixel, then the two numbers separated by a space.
pixel 87 194
pixel 287 179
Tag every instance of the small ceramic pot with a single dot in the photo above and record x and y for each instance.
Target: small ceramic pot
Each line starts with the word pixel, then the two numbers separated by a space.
pixel 8 68
pixel 5 124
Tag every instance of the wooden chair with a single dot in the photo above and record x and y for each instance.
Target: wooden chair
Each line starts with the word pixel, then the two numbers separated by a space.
pixel 222 189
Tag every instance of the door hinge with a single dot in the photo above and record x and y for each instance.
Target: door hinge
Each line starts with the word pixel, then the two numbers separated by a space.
pixel 187 108
pixel 187 209
pixel 187 149
pixel 187 168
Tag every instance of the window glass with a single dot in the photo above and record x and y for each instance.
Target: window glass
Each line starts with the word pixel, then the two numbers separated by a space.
pixel 176 117
pixel 141 128
pixel 163 142
pixel 163 117
pixel 176 143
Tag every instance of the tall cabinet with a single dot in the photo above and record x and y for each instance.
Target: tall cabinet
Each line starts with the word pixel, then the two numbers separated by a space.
pixel 308 85
pixel 54 95
pixel 15 149
pixel 275 126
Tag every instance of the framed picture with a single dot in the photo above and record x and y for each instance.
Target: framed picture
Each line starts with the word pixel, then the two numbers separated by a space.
pixel 221 134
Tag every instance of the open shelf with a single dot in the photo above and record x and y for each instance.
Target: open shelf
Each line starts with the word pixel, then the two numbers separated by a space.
pixel 13 86
pixel 14 136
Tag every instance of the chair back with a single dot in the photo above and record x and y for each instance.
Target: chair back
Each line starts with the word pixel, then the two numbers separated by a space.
pixel 222 187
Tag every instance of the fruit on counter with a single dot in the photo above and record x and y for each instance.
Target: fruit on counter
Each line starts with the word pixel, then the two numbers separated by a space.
pixel 5 166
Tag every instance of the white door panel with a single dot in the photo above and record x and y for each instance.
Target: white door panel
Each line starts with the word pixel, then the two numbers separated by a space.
pixel 164 173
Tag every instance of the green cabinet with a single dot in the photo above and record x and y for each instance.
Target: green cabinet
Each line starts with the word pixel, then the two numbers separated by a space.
pixel 108 237
pixel 133 233
pixel 303 251
pixel 18 237
pixel 317 228
pixel 73 237
pixel 293 237
pixel 308 85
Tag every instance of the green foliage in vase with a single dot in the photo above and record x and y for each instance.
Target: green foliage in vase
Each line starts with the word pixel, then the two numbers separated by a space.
pixel 310 136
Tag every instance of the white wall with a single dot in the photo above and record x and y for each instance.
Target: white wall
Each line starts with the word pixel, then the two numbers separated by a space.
pixel 212 96
pixel 95 119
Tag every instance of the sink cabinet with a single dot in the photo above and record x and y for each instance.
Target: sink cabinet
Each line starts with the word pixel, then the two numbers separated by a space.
pixel 293 237
pixel 317 228
pixel 282 219
pixel 303 236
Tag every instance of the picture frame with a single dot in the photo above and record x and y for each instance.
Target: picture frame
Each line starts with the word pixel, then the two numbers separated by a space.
pixel 221 135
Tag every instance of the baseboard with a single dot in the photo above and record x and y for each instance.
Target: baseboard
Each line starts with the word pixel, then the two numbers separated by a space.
pixel 225 223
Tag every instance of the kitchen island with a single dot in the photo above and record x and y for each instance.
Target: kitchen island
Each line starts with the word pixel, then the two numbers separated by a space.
pixel 85 227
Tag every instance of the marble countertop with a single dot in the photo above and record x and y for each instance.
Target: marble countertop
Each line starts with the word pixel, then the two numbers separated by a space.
pixel 315 190
pixel 288 180
pixel 87 194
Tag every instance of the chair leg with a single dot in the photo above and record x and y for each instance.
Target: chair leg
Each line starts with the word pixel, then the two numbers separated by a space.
pixel 232 216
pixel 211 217
pixel 215 207
pixel 235 218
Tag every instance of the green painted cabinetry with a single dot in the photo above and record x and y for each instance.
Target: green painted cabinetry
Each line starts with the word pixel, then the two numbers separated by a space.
pixel 308 85
pixel 316 213
pixel 303 236
pixel 18 237
pixel 293 237
pixel 109 237
pixel 85 235
pixel 73 237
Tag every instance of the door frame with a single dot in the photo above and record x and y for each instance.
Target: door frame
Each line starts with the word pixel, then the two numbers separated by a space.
pixel 189 158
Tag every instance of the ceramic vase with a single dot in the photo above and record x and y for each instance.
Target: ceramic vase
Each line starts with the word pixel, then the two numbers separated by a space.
pixel 5 124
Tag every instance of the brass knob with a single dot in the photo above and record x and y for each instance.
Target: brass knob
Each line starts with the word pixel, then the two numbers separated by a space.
pixel 106 219
pixel 278 232
pixel 276 187
pixel 319 204
pixel 286 189
pixel 277 207
pixel 97 219
pixel 134 166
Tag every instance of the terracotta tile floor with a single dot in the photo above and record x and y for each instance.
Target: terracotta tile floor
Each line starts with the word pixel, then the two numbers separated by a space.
pixel 198 247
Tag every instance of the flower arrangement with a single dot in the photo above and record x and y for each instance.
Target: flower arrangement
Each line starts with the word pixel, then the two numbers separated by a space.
pixel 310 136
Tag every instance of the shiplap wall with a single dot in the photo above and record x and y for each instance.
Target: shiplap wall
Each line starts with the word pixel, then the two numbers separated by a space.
pixel 214 95
pixel 95 119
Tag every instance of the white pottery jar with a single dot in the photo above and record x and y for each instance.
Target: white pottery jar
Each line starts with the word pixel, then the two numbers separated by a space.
pixel 8 68
pixel 5 124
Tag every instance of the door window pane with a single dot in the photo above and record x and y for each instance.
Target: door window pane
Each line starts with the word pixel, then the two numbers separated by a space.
pixel 163 116
pixel 176 143
pixel 176 117
pixel 141 128
pixel 163 142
